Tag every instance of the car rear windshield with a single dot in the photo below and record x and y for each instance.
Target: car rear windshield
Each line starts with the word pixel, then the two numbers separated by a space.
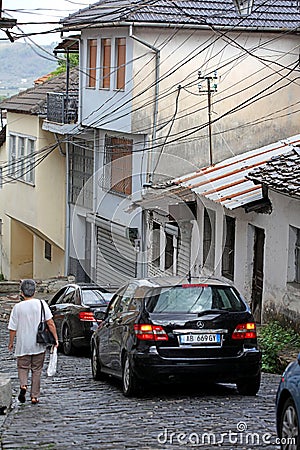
pixel 194 299
pixel 93 297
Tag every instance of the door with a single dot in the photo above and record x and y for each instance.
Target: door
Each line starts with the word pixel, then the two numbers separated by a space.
pixel 105 345
pixel 258 273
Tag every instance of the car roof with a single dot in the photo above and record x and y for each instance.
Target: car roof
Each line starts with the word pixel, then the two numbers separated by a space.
pixel 178 281
pixel 84 286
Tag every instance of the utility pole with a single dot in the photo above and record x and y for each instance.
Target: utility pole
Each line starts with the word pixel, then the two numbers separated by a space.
pixel 210 89
pixel 5 24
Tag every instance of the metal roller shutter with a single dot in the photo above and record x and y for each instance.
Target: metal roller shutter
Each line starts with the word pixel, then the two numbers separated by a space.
pixel 116 257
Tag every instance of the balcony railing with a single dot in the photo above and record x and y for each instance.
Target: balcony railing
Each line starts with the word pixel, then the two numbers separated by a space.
pixel 62 107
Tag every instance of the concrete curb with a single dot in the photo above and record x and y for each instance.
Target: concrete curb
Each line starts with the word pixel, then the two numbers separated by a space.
pixel 5 393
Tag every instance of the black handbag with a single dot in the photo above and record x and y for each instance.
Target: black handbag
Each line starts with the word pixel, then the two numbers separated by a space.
pixel 44 335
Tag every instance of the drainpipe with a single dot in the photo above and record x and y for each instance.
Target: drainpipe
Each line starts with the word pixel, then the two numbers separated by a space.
pixel 67 237
pixel 155 112
pixel 67 208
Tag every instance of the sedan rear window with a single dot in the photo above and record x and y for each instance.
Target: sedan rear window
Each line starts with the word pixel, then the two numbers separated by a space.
pixel 194 299
pixel 93 297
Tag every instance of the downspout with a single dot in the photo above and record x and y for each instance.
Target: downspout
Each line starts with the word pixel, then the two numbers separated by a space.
pixel 67 208
pixel 67 237
pixel 156 93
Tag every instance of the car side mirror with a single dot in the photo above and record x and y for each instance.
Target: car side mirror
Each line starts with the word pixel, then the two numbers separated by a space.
pixel 99 315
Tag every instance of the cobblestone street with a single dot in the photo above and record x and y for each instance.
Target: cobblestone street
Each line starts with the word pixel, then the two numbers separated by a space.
pixel 77 412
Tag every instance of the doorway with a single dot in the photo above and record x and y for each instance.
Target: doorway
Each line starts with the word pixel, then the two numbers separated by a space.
pixel 258 273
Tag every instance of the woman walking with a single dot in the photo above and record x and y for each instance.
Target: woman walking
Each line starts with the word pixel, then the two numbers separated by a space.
pixel 23 324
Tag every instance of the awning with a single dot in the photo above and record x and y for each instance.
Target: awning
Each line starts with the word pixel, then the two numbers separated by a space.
pixel 226 183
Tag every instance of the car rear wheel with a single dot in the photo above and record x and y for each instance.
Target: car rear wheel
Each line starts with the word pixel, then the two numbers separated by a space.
pixel 289 431
pixel 249 386
pixel 129 380
pixel 96 366
pixel 68 347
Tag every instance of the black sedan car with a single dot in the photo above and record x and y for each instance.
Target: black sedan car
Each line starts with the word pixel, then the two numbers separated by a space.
pixel 288 407
pixel 73 308
pixel 166 329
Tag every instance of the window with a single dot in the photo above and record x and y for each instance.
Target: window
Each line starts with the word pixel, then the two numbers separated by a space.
pixel 48 250
pixel 294 255
pixel 172 238
pixel 21 157
pixel 12 154
pixel 118 161
pixel 105 63
pixel 120 63
pixel 169 252
pixel 29 172
pixel 92 62
pixel 209 239
pixel 21 154
pixel 81 171
pixel 156 244
pixel 229 245
pixel 191 299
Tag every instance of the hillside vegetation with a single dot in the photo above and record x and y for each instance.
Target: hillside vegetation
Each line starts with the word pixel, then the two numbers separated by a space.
pixel 22 63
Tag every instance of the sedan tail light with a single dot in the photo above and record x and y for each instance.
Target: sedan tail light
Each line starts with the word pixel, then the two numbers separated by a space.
pixel 86 316
pixel 245 331
pixel 148 332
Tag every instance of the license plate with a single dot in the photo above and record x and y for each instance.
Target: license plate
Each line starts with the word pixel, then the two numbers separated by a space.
pixel 200 339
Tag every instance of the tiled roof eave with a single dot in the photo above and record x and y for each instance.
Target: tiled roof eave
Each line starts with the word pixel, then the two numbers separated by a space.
pixel 184 25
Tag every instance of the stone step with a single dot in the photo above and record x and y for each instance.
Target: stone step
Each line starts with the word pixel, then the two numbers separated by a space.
pixel 5 393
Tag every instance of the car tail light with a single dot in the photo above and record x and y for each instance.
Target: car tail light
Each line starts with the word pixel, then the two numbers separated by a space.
pixel 148 332
pixel 194 285
pixel 86 316
pixel 245 331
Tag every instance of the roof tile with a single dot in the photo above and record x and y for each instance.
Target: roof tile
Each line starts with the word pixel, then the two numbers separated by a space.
pixel 282 14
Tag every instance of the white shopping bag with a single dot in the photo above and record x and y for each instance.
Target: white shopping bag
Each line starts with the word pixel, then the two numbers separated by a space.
pixel 51 370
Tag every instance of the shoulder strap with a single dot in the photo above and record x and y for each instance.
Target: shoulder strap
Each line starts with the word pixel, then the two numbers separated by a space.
pixel 42 312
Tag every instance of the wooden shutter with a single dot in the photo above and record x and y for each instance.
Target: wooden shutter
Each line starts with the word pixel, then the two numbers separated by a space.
pixel 121 61
pixel 121 165
pixel 106 58
pixel 92 62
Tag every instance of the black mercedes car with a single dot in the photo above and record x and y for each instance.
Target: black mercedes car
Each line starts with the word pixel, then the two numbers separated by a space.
pixel 73 308
pixel 168 329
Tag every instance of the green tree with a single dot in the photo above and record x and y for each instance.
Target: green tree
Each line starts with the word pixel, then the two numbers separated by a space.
pixel 62 63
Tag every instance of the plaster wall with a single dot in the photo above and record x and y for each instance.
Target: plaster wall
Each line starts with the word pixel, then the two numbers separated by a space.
pixel 36 206
pixel 285 213
pixel 253 106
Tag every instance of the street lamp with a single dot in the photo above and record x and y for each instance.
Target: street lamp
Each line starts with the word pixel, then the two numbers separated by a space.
pixel 243 7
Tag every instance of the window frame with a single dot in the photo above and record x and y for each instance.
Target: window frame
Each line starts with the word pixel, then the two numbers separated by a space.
pixel 228 255
pixel 209 238
pixel 105 79
pixel 21 157
pixel 91 73
pixel 118 174
pixel 120 63
pixel 293 275
pixel 48 251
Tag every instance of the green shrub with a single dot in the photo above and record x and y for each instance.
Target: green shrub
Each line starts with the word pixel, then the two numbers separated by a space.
pixel 273 339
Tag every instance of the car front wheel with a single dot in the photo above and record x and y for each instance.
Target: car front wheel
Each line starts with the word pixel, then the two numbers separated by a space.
pixel 129 380
pixel 96 367
pixel 289 431
pixel 249 386
pixel 68 347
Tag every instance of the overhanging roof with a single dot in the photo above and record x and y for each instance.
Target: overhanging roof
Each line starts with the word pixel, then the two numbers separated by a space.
pixel 36 232
pixel 265 15
pixel 226 183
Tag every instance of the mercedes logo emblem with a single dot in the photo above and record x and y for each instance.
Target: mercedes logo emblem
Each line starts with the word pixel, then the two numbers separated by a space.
pixel 200 324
